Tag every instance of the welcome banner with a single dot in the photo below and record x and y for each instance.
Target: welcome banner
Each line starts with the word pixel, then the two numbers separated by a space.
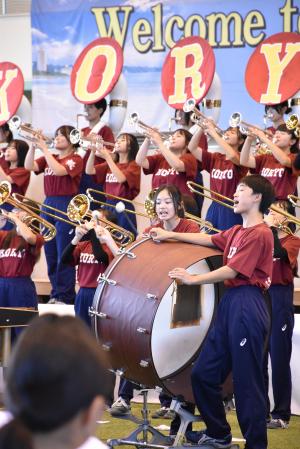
pixel 146 30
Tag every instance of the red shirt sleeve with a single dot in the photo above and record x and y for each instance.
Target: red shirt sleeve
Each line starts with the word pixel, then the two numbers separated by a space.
pixel 220 239
pixel 133 175
pixel 154 162
pixel 107 134
pixel 40 241
pixel 190 165
pixel 207 161
pixel 41 163
pixel 259 163
pixel 20 176
pixel 101 171
pixel 292 246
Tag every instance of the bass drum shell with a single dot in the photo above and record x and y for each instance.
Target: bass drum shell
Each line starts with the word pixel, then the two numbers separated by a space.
pixel 134 318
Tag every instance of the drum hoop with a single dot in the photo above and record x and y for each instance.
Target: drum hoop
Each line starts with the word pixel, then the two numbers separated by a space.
pixel 107 274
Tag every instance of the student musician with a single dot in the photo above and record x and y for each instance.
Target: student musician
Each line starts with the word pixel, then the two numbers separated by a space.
pixel 278 166
pixel 174 165
pixel 92 257
pixel 20 249
pixel 62 174
pixel 275 113
pixel 224 169
pixel 238 335
pixel 94 113
pixel 14 171
pixel 286 251
pixel 6 137
pixel 120 176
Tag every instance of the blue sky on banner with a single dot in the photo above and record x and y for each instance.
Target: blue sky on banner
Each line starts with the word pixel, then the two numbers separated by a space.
pixel 61 29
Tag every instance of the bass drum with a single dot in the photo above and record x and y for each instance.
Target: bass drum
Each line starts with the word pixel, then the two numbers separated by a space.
pixel 151 327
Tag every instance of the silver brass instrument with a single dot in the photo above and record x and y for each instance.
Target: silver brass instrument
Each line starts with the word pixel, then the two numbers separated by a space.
pixel 27 132
pixel 87 141
pixel 198 117
pixel 143 128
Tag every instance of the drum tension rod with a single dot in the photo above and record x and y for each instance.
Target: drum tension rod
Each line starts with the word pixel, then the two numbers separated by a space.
pixel 151 296
pixel 144 363
pixel 93 312
pixel 106 346
pixel 106 280
pixel 124 251
pixel 142 330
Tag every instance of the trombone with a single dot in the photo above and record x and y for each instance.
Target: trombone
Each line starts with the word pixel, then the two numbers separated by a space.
pixel 87 141
pixel 222 199
pixel 77 210
pixel 198 117
pixel 37 224
pixel 293 199
pixel 27 132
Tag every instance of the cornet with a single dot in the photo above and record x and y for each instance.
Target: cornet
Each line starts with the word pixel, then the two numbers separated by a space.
pixel 198 117
pixel 27 132
pixel 87 141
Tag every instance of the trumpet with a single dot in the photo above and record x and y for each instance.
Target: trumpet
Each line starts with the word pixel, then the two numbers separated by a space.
pixel 88 141
pixel 27 132
pixel 77 210
pixel 235 121
pixel 293 123
pixel 198 117
pixel 37 224
pixel 145 129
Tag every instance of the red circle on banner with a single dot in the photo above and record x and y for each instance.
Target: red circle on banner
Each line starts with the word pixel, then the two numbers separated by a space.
pixel 188 71
pixel 96 70
pixel 12 83
pixel 271 82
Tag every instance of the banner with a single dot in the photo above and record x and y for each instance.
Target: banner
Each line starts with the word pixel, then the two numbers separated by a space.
pixel 146 30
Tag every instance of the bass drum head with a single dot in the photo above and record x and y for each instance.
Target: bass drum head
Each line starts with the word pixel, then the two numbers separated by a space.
pixel 174 347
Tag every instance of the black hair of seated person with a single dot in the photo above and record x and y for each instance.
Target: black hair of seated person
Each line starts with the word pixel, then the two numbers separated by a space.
pixel 56 370
pixel 190 205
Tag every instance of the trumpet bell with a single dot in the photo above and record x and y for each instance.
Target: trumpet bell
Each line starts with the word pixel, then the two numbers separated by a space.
pixel 293 123
pixel 14 123
pixel 235 119
pixel 189 105
pixel 75 136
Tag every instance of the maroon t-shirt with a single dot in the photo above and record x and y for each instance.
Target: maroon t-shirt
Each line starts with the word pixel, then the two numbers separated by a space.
pixel 20 179
pixel 89 268
pixel 224 174
pixel 128 189
pixel 163 173
pixel 284 179
pixel 249 251
pixel 61 185
pixel 184 225
pixel 106 133
pixel 3 162
pixel 283 271
pixel 18 263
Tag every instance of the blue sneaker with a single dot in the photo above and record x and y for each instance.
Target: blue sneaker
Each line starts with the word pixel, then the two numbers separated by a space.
pixel 214 443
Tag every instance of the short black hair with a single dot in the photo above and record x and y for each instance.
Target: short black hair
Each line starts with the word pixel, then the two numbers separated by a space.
pixel 6 130
pixel 278 107
pixel 261 185
pixel 176 196
pixel 66 130
pixel 101 104
pixel 56 370
pixel 184 132
pixel 283 128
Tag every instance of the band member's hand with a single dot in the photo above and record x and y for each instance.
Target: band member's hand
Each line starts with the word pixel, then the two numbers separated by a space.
pixel 272 220
pixel 80 231
pixel 155 136
pixel 103 234
pixel 181 276
pixel 159 234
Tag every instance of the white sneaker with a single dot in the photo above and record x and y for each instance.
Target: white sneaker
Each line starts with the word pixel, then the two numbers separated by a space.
pixel 120 407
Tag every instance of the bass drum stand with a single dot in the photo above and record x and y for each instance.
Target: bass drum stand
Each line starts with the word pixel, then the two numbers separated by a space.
pixel 146 436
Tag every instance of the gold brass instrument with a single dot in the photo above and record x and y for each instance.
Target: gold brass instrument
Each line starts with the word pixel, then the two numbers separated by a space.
pixel 289 218
pixel 87 141
pixel 293 123
pixel 77 210
pixel 222 199
pixel 27 132
pixel 198 117
pixel 293 199
pixel 37 224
